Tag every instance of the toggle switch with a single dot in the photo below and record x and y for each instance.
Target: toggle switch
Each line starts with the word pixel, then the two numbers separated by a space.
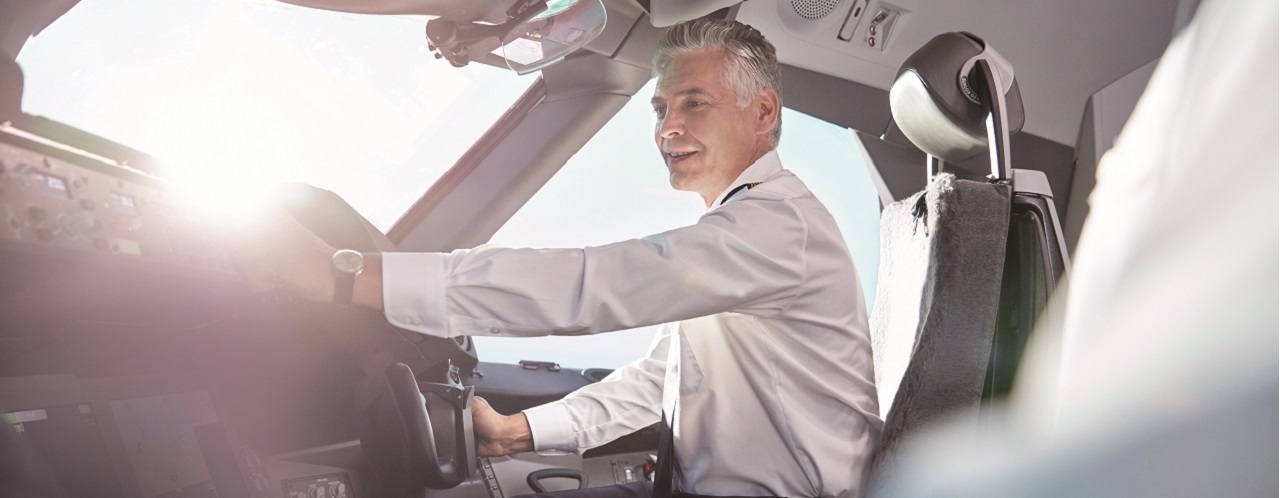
pixel 879 29
pixel 850 27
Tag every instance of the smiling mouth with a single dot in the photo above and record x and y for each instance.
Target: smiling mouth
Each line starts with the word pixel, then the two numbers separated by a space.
pixel 679 156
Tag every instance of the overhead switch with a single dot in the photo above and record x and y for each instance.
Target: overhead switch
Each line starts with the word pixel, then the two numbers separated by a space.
pixel 849 29
pixel 878 30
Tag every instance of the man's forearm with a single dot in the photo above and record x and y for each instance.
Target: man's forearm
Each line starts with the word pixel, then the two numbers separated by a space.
pixel 518 438
pixel 368 290
pixel 498 434
pixel 512 434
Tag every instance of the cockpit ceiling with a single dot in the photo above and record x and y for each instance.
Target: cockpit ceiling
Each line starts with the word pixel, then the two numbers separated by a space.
pixel 1062 51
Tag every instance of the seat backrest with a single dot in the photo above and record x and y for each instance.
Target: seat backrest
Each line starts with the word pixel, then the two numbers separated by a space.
pixel 943 251
pixel 942 259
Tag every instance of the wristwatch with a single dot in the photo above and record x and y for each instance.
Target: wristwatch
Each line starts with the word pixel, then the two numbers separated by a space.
pixel 347 265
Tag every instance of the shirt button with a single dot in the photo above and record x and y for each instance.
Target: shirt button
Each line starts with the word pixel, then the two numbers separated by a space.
pixel 494 330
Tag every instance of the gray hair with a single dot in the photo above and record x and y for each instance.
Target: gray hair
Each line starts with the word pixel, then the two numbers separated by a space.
pixel 751 65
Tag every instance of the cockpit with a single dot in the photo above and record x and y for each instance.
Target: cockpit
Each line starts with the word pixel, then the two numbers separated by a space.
pixel 134 361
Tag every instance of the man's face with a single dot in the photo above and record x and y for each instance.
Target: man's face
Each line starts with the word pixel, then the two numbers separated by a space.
pixel 705 139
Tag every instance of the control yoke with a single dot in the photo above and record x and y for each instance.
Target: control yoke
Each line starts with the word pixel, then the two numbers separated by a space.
pixel 419 435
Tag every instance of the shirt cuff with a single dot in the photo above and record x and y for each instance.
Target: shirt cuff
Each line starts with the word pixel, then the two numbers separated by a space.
pixel 413 292
pixel 552 433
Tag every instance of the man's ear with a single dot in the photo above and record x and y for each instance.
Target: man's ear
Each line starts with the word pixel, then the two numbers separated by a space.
pixel 766 106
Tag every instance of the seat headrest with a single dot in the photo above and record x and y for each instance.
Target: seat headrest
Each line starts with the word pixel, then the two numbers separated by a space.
pixel 10 88
pixel 936 98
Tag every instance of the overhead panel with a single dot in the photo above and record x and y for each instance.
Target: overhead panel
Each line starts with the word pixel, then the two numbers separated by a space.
pixel 821 35
pixel 1063 52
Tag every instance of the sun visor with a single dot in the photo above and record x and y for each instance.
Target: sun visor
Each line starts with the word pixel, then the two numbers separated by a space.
pixel 533 34
pixel 523 35
pixel 564 27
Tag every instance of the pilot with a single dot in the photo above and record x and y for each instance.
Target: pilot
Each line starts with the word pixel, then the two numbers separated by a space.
pixel 763 372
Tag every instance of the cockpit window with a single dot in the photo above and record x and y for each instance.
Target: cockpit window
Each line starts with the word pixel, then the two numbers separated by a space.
pixel 616 188
pixel 235 96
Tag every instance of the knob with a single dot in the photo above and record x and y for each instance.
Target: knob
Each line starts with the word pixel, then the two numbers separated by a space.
pixel 79 223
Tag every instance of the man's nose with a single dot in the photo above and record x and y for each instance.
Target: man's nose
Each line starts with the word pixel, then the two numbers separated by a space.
pixel 671 125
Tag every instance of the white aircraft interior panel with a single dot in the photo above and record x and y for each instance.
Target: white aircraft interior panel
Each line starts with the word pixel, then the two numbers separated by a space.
pixel 828 37
pixel 1063 52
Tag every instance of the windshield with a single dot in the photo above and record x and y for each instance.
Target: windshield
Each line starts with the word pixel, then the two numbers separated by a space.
pixel 236 96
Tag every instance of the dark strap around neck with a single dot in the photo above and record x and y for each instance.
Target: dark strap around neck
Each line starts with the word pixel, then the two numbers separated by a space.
pixel 735 190
pixel 664 475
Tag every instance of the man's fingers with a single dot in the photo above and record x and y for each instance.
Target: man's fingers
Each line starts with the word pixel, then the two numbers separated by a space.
pixel 276 251
pixel 487 441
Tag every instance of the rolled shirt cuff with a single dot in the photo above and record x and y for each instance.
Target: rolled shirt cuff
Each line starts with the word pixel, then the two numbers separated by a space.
pixel 552 433
pixel 413 292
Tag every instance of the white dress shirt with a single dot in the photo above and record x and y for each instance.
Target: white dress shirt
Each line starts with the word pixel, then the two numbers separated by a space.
pixel 765 371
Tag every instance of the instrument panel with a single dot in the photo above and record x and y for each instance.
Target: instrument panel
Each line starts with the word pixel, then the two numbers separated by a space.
pixel 53 196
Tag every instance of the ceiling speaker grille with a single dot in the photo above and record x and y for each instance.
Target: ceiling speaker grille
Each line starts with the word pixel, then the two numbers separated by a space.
pixel 814 9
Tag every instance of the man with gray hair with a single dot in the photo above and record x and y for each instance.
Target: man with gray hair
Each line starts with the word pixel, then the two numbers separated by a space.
pixel 763 369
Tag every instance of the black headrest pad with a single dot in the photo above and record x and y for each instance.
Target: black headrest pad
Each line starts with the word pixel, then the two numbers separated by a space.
pixel 10 88
pixel 932 110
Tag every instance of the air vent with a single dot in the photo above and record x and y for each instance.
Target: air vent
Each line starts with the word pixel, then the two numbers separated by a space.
pixel 814 9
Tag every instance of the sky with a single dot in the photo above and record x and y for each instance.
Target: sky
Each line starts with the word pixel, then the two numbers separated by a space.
pixel 236 96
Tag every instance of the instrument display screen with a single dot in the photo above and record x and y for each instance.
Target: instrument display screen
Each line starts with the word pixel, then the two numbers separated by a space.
pixel 53 185
pixel 124 203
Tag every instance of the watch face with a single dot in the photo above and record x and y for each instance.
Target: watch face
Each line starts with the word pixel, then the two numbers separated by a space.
pixel 348 261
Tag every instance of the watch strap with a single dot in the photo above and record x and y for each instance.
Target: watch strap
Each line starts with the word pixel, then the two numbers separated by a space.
pixel 347 264
pixel 344 285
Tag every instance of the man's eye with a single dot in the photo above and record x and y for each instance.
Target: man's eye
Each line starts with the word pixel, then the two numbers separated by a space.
pixel 660 110
pixel 693 103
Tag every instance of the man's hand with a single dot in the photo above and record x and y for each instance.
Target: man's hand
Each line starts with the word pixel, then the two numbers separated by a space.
pixel 278 252
pixel 498 434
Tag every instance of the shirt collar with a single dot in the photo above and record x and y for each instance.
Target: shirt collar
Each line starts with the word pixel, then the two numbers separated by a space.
pixel 759 171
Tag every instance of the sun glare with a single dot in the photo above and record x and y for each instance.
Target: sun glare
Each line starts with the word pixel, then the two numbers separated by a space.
pixel 238 96
pixel 225 202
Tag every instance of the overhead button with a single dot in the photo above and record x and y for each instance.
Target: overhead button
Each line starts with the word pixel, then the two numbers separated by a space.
pixel 494 330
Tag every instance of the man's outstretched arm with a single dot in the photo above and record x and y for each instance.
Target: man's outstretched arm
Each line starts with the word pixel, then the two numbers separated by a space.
pixel 279 252
pixel 626 401
pixel 739 257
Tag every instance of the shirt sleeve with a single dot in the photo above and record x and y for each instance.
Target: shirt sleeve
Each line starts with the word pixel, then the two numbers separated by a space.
pixel 628 400
pixel 745 256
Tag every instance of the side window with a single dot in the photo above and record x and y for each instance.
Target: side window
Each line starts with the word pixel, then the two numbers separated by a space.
pixel 616 188
pixel 830 161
